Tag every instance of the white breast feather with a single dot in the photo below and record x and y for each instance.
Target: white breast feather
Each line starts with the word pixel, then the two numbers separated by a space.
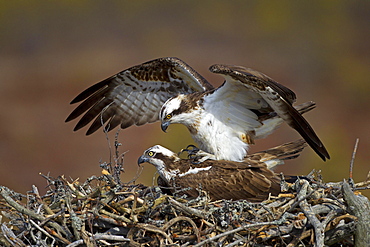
pixel 215 137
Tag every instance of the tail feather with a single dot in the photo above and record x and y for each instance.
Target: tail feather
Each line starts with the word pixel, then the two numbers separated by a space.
pixel 290 150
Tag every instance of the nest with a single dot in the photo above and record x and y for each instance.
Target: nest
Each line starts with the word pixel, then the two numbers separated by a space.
pixel 105 212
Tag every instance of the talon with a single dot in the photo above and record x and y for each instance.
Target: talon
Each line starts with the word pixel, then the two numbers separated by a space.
pixel 196 155
pixel 181 151
pixel 192 155
pixel 195 162
pixel 191 150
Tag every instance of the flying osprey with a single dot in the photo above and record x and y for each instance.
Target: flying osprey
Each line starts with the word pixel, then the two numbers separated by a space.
pixel 223 121
pixel 250 179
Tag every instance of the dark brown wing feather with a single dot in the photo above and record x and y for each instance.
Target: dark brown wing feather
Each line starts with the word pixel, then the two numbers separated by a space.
pixel 136 95
pixel 251 181
pixel 255 78
pixel 279 98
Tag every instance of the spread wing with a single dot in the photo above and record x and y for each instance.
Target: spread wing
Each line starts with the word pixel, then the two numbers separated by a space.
pixel 265 95
pixel 135 95
pixel 233 180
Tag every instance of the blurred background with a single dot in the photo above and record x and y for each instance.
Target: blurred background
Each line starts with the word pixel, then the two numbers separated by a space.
pixel 52 50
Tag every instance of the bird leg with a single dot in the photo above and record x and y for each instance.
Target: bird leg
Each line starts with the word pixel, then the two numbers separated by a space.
pixel 196 155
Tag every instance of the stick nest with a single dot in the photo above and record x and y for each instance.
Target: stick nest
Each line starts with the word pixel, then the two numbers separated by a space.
pixel 104 212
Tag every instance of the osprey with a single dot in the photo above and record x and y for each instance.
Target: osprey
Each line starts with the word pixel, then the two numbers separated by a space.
pixel 250 179
pixel 223 121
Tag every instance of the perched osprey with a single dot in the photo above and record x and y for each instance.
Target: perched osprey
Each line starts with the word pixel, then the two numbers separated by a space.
pixel 250 180
pixel 223 121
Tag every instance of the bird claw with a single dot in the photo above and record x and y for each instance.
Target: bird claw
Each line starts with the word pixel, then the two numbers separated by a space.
pixel 196 155
pixel 200 158
pixel 191 150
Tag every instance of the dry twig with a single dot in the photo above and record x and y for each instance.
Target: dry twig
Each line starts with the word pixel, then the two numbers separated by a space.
pixel 101 212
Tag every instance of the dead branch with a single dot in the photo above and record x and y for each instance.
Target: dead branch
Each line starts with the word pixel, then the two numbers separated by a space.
pixel 360 207
pixel 101 212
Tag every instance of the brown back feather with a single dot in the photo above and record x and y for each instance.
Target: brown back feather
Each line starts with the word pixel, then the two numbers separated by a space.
pixel 251 180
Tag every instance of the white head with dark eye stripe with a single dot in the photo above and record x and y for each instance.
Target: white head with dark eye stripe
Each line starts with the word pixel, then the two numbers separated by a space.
pixel 160 157
pixel 178 109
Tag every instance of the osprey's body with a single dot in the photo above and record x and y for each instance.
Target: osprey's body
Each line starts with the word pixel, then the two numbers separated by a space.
pixel 223 121
pixel 224 130
pixel 213 135
pixel 250 180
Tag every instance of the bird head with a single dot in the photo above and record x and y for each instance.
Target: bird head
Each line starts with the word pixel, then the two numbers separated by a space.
pixel 176 110
pixel 162 158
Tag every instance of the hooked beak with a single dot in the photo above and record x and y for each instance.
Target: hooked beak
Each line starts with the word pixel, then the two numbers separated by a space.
pixel 142 159
pixel 164 125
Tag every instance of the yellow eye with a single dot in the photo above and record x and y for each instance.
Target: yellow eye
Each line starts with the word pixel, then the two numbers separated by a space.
pixel 151 153
pixel 169 116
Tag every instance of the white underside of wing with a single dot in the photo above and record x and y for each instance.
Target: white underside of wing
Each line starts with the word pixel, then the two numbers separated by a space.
pixel 138 102
pixel 231 103
pixel 269 126
pixel 138 106
pixel 227 118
